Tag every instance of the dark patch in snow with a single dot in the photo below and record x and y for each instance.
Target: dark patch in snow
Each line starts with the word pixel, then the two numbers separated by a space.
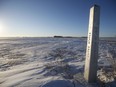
pixel 58 83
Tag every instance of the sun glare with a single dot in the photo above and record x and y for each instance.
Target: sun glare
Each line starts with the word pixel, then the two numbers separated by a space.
pixel 2 29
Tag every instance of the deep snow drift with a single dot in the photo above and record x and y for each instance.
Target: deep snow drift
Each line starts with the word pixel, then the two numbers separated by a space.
pixel 45 62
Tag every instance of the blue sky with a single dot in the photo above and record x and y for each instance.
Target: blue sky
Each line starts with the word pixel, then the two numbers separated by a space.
pixel 54 17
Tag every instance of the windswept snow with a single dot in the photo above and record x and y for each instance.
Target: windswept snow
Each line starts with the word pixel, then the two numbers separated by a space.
pixel 44 62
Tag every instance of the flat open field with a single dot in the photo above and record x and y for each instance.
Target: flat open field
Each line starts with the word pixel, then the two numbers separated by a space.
pixel 47 62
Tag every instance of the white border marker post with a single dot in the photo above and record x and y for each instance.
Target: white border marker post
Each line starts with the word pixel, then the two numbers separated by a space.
pixel 90 73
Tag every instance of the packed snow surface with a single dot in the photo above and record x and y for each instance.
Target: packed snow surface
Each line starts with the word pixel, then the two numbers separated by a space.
pixel 44 62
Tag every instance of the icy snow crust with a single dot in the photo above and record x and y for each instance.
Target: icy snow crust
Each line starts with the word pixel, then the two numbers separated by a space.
pixel 23 61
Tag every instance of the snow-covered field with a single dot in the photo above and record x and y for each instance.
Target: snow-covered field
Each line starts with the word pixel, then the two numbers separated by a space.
pixel 45 62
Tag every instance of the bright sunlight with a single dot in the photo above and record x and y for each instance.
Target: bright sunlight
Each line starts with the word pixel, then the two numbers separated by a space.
pixel 2 28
